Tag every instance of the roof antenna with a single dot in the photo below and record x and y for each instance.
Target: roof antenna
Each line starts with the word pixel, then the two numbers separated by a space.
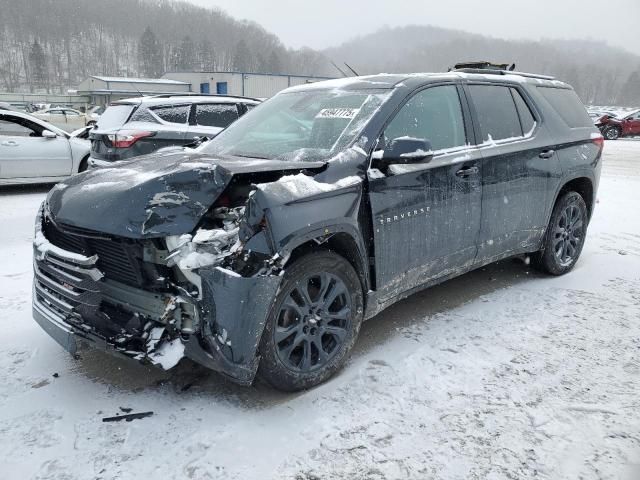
pixel 136 89
pixel 338 68
pixel 354 72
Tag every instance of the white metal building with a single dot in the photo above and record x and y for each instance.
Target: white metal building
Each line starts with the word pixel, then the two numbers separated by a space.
pixel 258 85
pixel 103 90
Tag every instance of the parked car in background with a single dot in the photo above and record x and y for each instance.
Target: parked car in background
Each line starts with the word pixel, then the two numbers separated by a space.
pixel 138 126
pixel 65 118
pixel 82 132
pixel 93 114
pixel 265 249
pixel 614 127
pixel 34 151
pixel 7 106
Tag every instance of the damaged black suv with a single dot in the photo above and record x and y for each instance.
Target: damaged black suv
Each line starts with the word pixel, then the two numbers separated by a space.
pixel 264 250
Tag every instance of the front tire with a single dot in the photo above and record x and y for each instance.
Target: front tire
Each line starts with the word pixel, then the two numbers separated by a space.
pixel 313 324
pixel 612 133
pixel 565 235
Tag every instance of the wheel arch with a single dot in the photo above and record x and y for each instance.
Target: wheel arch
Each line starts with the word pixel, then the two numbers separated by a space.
pixel 84 162
pixel 344 243
pixel 584 186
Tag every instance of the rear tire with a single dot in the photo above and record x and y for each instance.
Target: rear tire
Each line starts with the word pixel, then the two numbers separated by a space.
pixel 313 323
pixel 565 235
pixel 612 133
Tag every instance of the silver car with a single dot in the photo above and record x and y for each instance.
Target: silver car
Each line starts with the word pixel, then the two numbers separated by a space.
pixel 34 151
pixel 65 118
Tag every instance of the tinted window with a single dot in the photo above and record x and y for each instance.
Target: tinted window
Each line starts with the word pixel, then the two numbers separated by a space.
pixel 221 115
pixel 527 119
pixel 173 114
pixel 433 114
pixel 496 112
pixel 142 114
pixel 114 116
pixel 568 105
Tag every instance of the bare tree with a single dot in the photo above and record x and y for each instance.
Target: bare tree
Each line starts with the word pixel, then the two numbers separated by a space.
pixel 150 54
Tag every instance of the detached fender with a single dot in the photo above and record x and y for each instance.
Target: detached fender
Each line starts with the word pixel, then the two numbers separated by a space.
pixel 235 310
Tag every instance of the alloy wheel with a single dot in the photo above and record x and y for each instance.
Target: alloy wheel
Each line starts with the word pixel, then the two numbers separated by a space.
pixel 313 322
pixel 612 134
pixel 568 234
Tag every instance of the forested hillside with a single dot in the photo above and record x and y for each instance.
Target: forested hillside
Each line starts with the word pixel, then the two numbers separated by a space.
pixel 52 45
pixel 601 74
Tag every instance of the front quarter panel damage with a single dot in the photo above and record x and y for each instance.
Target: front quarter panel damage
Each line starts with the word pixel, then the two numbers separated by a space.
pixel 298 208
pixel 235 310
pixel 237 294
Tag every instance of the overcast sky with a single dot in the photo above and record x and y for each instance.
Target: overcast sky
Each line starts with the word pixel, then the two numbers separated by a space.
pixel 324 23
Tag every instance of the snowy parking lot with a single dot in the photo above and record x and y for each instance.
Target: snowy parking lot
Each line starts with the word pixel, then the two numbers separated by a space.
pixel 503 373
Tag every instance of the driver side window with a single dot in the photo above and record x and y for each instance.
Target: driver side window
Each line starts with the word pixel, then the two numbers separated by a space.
pixel 11 128
pixel 433 114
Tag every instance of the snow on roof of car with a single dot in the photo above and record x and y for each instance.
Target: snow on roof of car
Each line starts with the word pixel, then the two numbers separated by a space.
pixel 162 81
pixel 174 99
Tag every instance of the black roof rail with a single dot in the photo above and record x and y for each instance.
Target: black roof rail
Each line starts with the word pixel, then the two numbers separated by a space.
pixel 484 71
pixel 494 69
pixel 194 94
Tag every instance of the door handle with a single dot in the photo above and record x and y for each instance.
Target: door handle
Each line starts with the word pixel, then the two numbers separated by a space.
pixel 547 153
pixel 467 171
pixel 9 143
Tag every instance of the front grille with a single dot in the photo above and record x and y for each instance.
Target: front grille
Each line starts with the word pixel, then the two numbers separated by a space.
pixel 119 260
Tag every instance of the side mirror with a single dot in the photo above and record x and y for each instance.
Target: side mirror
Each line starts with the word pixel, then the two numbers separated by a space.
pixel 48 134
pixel 406 150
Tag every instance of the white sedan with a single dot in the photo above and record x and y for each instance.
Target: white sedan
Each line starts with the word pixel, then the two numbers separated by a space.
pixel 33 151
pixel 67 119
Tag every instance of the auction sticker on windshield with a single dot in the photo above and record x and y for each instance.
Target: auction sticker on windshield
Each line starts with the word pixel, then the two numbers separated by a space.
pixel 337 113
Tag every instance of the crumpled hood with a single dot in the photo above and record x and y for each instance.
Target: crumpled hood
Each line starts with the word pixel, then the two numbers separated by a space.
pixel 154 195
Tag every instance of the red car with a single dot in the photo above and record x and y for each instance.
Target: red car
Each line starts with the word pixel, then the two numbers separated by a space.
pixel 613 127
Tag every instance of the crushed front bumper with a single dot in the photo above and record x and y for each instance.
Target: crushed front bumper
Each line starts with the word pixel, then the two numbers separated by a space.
pixel 71 296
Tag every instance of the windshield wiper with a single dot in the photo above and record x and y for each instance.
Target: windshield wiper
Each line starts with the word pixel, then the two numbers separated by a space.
pixel 250 156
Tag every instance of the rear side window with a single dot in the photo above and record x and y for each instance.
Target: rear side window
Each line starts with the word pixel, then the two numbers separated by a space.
pixel 433 114
pixel 496 112
pixel 527 120
pixel 568 105
pixel 143 115
pixel 115 116
pixel 174 113
pixel 221 115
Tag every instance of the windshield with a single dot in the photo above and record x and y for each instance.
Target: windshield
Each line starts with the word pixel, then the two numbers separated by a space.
pixel 309 125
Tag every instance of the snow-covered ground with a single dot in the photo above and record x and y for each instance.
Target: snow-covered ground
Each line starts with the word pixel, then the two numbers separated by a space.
pixel 501 374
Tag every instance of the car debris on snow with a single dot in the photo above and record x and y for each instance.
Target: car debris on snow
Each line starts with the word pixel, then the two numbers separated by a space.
pixel 128 417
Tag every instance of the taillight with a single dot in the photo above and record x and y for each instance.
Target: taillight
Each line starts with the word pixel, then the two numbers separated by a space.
pixel 126 138
pixel 597 140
